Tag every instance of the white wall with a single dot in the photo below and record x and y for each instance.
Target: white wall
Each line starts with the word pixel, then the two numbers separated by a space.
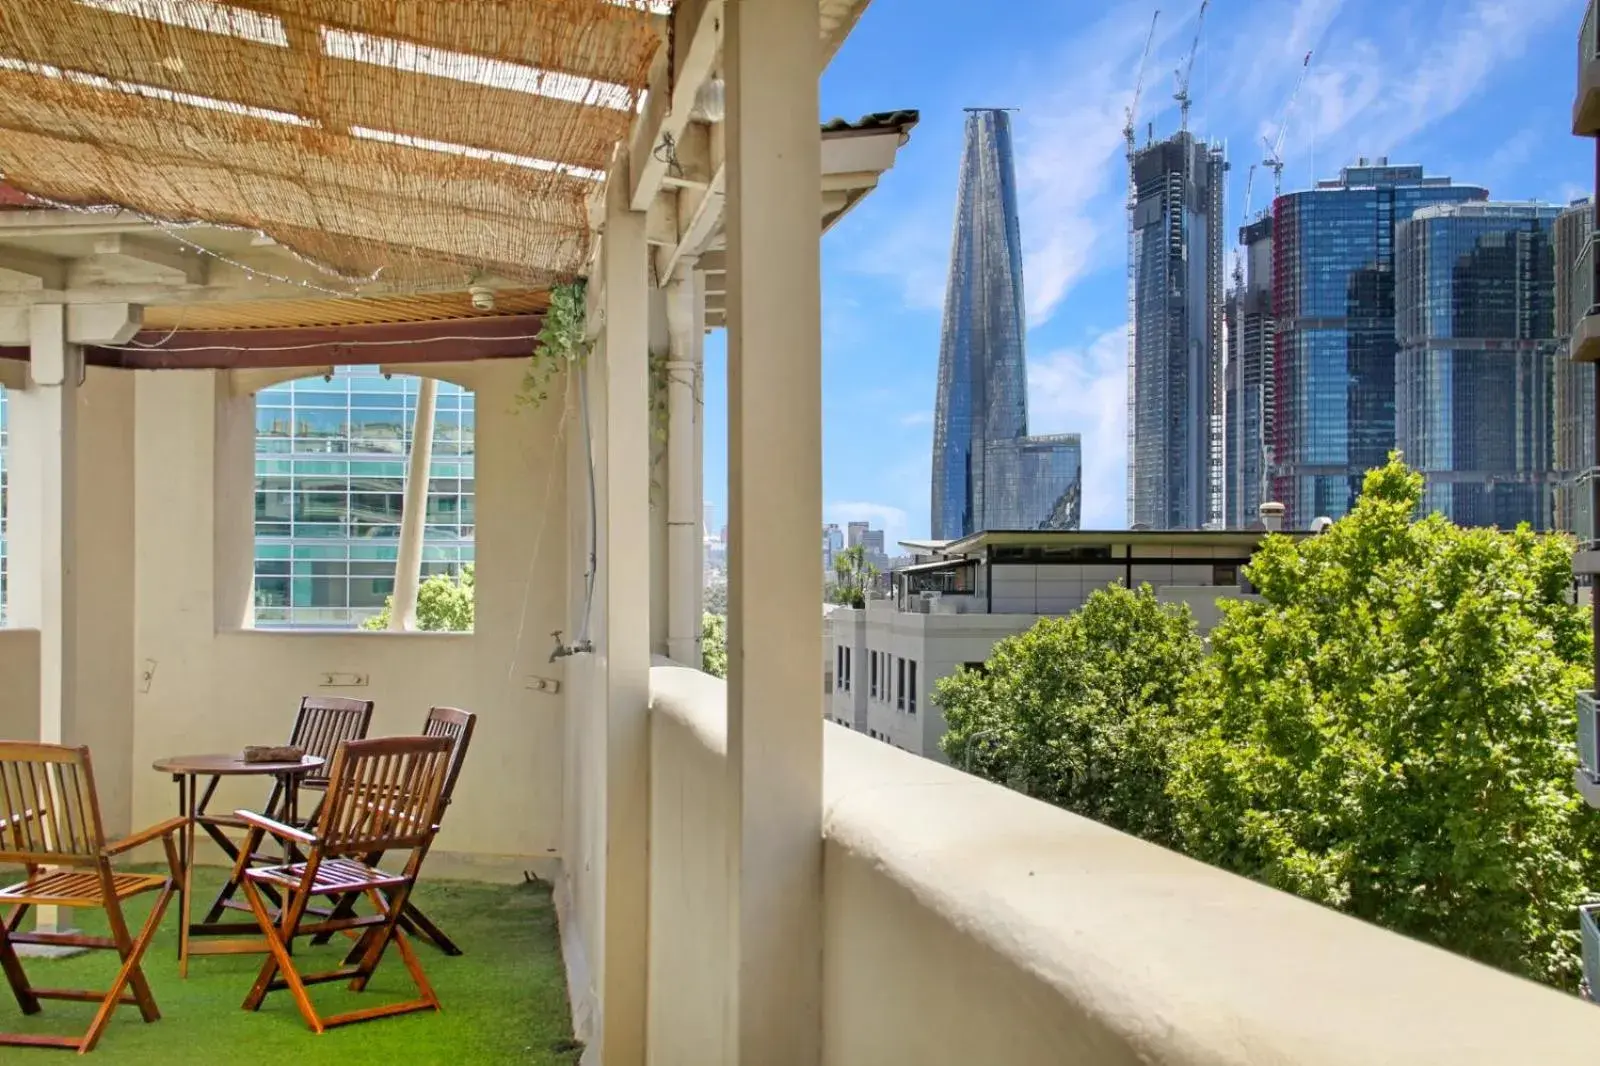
pixel 216 688
pixel 964 923
pixel 19 684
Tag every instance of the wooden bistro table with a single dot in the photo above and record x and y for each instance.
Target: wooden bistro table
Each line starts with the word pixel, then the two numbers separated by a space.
pixel 186 771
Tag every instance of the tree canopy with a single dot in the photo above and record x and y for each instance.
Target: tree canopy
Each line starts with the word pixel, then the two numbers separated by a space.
pixel 714 645
pixel 1386 728
pixel 1080 711
pixel 444 603
pixel 1388 731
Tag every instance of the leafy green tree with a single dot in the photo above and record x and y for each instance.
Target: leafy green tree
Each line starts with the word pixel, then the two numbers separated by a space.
pixel 853 576
pixel 1389 731
pixel 714 645
pixel 444 603
pixel 717 596
pixel 1081 711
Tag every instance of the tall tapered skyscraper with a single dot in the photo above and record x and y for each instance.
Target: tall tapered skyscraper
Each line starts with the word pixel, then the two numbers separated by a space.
pixel 1175 335
pixel 988 474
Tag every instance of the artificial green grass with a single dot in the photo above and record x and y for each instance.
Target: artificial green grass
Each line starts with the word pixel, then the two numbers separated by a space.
pixel 503 1001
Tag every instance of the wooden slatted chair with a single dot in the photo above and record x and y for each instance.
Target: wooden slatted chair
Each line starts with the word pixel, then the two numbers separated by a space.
pixel 322 723
pixel 50 825
pixel 383 795
pixel 457 725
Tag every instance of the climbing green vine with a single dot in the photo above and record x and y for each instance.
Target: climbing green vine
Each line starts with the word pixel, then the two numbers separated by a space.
pixel 563 342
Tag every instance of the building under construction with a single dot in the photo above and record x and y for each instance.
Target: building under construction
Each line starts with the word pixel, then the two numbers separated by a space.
pixel 1574 382
pixel 1175 328
pixel 1248 381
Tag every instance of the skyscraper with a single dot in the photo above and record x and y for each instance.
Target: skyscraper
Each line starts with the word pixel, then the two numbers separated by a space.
pixel 1475 325
pixel 1574 384
pixel 988 474
pixel 1248 384
pixel 1334 351
pixel 1175 356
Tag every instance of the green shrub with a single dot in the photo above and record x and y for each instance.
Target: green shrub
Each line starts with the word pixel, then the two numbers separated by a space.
pixel 1080 711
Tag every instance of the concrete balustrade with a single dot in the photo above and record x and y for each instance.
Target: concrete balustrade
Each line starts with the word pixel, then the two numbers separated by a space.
pixel 967 923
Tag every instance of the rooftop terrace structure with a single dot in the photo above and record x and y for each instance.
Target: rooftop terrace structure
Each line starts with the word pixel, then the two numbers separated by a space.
pixel 736 881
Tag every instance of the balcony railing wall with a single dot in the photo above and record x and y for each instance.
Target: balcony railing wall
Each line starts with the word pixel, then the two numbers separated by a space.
pixel 966 923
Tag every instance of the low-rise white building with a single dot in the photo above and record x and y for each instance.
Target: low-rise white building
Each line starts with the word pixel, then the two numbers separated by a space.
pixel 951 610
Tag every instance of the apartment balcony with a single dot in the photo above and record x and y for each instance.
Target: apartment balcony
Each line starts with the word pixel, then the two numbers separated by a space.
pixel 736 881
pixel 1585 346
pixel 1586 103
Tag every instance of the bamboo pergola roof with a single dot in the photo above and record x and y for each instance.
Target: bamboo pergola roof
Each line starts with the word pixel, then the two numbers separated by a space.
pixel 412 139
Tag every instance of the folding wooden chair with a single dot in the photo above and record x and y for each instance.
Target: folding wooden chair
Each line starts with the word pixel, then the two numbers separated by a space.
pixel 321 725
pixel 457 725
pixel 50 825
pixel 383 795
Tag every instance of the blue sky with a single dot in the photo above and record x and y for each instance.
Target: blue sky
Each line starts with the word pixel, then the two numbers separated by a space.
pixel 1482 94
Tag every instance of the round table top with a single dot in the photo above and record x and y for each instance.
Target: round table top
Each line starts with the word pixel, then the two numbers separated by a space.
pixel 233 765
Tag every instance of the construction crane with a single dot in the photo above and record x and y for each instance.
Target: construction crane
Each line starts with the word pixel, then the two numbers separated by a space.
pixel 1274 158
pixel 1182 74
pixel 1132 111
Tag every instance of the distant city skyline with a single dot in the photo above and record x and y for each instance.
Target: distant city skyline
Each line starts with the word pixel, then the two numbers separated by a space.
pixel 1480 106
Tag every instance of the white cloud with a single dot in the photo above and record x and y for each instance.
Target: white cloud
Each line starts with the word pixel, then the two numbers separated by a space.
pixel 885 516
pixel 1085 390
pixel 917 418
pixel 1363 99
pixel 1070 161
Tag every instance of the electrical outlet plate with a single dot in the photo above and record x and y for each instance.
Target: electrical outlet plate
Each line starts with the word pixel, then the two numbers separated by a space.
pixel 337 679
pixel 548 685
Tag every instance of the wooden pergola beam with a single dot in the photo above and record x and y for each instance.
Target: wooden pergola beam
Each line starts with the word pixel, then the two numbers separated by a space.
pixel 444 341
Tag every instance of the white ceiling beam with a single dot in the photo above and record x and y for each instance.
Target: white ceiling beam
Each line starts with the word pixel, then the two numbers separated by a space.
pixel 696 226
pixel 675 78
pixel 27 270
pixel 661 222
pixel 123 254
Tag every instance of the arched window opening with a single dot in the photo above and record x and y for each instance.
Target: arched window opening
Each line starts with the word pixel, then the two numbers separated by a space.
pixel 330 468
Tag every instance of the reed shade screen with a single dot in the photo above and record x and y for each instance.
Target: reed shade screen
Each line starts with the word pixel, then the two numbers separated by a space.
pixel 424 139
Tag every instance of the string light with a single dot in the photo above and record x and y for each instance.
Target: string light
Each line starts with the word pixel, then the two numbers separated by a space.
pixel 251 273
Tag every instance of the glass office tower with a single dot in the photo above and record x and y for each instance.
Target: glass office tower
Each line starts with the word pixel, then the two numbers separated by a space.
pixel 1334 355
pixel 331 460
pixel 1475 325
pixel 1175 343
pixel 1574 385
pixel 1035 482
pixel 1248 384
pixel 982 400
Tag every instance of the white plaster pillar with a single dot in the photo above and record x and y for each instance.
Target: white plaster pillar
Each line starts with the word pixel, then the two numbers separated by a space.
pixel 48 568
pixel 684 564
pixel 414 511
pixel 771 58
pixel 623 648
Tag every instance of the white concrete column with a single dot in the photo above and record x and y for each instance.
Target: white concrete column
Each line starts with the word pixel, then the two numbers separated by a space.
pixel 684 565
pixel 771 59
pixel 414 512
pixel 51 406
pixel 624 645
